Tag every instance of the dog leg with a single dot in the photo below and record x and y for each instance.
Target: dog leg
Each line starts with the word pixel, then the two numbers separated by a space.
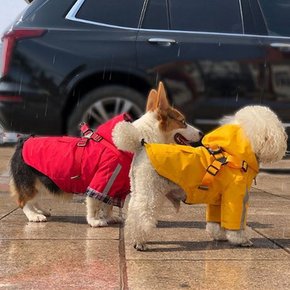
pixel 142 215
pixel 95 216
pixel 31 213
pixel 238 238
pixel 216 231
pixel 40 210
pixel 108 214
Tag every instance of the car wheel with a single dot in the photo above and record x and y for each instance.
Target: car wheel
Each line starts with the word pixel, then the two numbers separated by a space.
pixel 102 104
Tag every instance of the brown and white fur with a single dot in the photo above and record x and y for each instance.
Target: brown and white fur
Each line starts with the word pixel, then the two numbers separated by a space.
pixel 164 124
pixel 265 133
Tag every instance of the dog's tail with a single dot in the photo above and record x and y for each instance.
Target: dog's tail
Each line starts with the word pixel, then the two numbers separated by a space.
pixel 126 137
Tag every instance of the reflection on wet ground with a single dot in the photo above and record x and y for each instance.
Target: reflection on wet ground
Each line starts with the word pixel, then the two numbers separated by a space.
pixel 65 253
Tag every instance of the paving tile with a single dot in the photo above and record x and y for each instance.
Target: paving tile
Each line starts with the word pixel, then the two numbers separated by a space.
pixel 68 222
pixel 7 204
pixel 54 264
pixel 270 216
pixel 183 236
pixel 277 184
pixel 209 274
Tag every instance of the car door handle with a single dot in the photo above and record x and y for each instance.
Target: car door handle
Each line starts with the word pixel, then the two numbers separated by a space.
pixel 284 47
pixel 162 41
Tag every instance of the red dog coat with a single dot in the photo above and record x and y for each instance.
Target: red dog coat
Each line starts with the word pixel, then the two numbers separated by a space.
pixel 91 165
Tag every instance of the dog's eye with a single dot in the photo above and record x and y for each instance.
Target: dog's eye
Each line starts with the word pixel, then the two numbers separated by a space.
pixel 183 123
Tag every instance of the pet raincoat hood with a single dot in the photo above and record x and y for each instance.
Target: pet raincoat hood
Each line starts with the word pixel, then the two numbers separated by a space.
pixel 220 179
pixel 91 165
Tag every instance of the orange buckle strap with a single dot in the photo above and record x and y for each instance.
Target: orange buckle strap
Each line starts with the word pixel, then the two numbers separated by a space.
pixel 213 169
pixel 237 163
pixel 211 172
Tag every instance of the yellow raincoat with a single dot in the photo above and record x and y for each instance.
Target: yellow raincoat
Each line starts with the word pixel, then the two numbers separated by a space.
pixel 202 176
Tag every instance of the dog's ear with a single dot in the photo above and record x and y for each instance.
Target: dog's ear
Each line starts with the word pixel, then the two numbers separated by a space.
pixel 151 101
pixel 162 101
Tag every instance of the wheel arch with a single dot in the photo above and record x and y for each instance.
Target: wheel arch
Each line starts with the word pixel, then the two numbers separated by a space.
pixel 100 79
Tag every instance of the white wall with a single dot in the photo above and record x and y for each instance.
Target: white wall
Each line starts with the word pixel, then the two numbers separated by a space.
pixel 9 10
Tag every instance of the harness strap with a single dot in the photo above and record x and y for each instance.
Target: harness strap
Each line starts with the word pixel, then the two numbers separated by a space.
pixel 87 134
pixel 219 160
pixel 98 138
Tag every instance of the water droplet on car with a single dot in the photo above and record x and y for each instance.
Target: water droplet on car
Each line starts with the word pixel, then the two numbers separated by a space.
pixel 178 52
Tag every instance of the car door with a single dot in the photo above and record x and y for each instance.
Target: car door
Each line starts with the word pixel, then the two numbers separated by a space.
pixel 277 43
pixel 206 56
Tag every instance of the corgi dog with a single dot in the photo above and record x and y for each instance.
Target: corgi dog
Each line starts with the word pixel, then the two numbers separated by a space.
pixel 160 124
pixel 91 165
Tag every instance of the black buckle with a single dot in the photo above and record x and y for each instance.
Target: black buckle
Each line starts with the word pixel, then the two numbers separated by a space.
pixel 245 166
pixel 203 187
pixel 214 173
pixel 222 160
pixel 219 151
pixel 214 152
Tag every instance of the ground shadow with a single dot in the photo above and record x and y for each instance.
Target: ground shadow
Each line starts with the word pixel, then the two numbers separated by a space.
pixel 186 246
pixel 74 220
pixel 181 224
pixel 257 225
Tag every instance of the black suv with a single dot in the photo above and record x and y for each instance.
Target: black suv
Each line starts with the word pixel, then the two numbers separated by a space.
pixel 86 60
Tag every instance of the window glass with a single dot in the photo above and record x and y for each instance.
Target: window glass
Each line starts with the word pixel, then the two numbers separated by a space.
pixel 277 16
pixel 113 12
pixel 206 15
pixel 156 15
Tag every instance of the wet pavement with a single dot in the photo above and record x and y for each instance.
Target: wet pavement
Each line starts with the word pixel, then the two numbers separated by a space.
pixel 65 253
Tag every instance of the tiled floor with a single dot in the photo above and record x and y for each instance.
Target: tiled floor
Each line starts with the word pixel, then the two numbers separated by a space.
pixel 65 253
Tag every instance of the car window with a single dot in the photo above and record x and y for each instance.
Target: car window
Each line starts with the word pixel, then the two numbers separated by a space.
pixel 156 15
pixel 206 15
pixel 277 16
pixel 113 12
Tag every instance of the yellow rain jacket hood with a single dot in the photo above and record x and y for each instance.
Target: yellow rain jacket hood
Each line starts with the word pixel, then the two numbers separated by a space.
pixel 220 179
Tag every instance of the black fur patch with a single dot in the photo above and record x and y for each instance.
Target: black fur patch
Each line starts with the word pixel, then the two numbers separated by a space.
pixel 25 176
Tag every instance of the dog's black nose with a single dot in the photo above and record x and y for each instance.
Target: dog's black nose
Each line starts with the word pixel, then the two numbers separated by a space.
pixel 200 134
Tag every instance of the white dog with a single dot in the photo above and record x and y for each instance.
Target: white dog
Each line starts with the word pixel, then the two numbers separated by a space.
pixel 219 173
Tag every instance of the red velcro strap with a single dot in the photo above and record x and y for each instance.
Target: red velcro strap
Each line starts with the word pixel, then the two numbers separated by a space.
pixel 83 142
pixel 96 137
pixel 85 128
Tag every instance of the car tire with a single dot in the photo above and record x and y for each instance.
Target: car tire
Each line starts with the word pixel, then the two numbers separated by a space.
pixel 101 104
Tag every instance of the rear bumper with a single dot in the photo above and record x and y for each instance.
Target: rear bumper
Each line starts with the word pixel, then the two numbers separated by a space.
pixel 25 111
pixel 25 118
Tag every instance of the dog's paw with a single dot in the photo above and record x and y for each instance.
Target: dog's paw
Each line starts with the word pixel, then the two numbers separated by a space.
pixel 37 218
pixel 238 238
pixel 216 232
pixel 98 223
pixel 140 247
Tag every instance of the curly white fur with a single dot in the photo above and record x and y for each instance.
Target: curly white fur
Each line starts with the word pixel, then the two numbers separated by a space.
pixel 132 141
pixel 265 132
